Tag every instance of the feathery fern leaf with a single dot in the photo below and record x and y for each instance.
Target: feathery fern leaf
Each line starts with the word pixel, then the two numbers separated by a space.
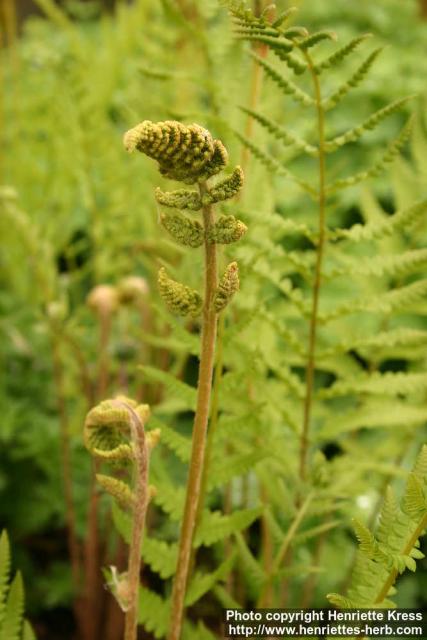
pixel 175 387
pixel 356 79
pixel 161 556
pixel 382 558
pixel 392 151
pixel 215 526
pixel 154 612
pixel 381 228
pixel 273 165
pixel 201 583
pixel 288 87
pixel 370 123
pixel 12 623
pixel 280 133
pixel 338 56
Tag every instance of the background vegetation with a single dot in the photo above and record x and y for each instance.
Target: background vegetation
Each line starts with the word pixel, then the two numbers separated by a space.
pixel 77 212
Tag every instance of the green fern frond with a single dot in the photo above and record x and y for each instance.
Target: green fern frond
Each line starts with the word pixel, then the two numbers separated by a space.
pixel 153 612
pixel 13 617
pixel 377 229
pixel 288 87
pixel 315 38
pixel 370 123
pixel 401 336
pixel 420 468
pixel 280 133
pixel 222 471
pixel 339 55
pixel 160 556
pixel 292 61
pixel 215 526
pixel 12 623
pixel 28 633
pixel 171 500
pixel 388 384
pixel 374 415
pixel 175 387
pixel 379 167
pixel 341 602
pixel 414 502
pixel 388 517
pixel 201 583
pixel 4 571
pixel 356 79
pixel 379 563
pixel 273 165
pixel 391 265
pixel 179 444
pixel 278 45
pixel 252 567
pixel 367 543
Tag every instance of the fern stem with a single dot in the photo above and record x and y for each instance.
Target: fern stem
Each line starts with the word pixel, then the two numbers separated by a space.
pixel 207 356
pixel 139 513
pixel 213 423
pixel 284 547
pixel 318 269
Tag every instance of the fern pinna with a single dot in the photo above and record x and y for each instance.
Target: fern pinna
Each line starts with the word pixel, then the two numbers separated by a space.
pixel 13 626
pixel 363 369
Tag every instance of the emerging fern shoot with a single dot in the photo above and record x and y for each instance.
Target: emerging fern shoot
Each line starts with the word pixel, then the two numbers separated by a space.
pixel 115 432
pixel 191 155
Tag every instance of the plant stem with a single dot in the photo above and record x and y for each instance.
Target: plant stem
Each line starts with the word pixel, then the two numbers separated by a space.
pixel 207 355
pixel 214 411
pixel 139 513
pixel 317 276
pixel 284 547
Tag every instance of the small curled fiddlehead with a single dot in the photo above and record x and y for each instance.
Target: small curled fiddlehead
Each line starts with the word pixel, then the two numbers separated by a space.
pixel 184 153
pixel 114 431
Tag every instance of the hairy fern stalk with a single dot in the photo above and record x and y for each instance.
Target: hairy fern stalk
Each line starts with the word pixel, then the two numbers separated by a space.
pixel 190 154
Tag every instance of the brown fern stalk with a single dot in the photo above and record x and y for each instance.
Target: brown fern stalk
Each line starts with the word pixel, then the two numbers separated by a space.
pixel 207 356
pixel 139 514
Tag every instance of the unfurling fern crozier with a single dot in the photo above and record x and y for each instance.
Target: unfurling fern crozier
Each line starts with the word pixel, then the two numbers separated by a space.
pixel 189 154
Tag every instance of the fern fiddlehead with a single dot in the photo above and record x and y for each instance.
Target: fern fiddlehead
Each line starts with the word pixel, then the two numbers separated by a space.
pixel 190 154
pixel 114 432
